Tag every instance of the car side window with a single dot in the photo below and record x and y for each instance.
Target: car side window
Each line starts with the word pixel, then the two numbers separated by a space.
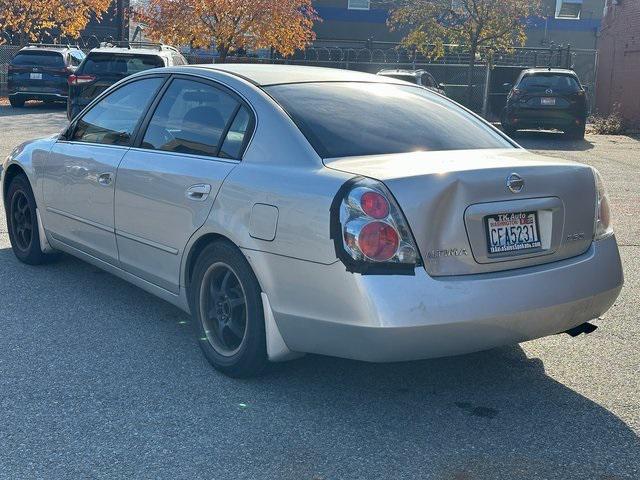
pixel 75 58
pixel 177 59
pixel 234 141
pixel 113 119
pixel 190 118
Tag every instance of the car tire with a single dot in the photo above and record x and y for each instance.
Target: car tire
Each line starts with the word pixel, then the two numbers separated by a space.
pixel 16 102
pixel 577 133
pixel 22 223
pixel 226 306
pixel 506 127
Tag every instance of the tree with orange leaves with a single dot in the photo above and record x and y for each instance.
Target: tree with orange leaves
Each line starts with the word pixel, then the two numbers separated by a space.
pixel 284 25
pixel 29 18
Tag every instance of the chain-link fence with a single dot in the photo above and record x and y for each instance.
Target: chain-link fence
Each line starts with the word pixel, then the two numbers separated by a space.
pixel 6 54
pixel 491 77
pixel 485 93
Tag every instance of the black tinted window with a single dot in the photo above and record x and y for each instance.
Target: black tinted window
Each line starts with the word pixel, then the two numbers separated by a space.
pixel 235 138
pixel 544 81
pixel 350 119
pixel 406 78
pixel 119 64
pixel 190 118
pixel 38 59
pixel 114 118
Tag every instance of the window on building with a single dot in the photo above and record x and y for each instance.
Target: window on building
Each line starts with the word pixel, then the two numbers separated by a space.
pixel 359 5
pixel 569 9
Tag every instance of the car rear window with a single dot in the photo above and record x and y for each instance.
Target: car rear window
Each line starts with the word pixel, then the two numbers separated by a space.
pixel 343 119
pixel 545 81
pixel 39 59
pixel 119 64
pixel 406 78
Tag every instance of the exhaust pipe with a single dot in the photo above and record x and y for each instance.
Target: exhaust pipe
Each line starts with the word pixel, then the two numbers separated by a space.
pixel 585 328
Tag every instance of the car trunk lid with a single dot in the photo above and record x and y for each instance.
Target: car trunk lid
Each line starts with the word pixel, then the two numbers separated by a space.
pixel 447 198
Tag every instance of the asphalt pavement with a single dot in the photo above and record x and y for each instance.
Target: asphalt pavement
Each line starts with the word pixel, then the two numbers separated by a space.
pixel 99 379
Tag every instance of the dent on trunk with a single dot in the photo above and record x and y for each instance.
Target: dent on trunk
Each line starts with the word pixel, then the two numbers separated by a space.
pixel 446 197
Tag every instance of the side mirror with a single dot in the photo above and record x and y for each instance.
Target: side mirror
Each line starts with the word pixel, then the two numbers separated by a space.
pixel 441 86
pixel 585 88
pixel 506 86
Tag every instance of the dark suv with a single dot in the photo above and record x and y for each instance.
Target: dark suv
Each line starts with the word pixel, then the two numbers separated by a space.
pixel 546 98
pixel 111 62
pixel 40 72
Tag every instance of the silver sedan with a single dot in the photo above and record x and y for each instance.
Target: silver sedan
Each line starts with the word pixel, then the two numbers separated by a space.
pixel 300 210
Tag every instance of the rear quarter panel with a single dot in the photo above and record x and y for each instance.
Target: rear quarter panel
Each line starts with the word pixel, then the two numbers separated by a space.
pixel 279 169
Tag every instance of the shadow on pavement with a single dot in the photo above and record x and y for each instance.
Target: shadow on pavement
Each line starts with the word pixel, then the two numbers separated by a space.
pixel 544 140
pixel 93 369
pixel 31 108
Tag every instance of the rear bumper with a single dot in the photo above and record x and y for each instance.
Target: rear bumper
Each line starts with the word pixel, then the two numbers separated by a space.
pixel 27 95
pixel 544 117
pixel 325 310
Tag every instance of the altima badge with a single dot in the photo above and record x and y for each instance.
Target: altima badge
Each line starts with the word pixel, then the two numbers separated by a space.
pixel 515 183
pixel 449 252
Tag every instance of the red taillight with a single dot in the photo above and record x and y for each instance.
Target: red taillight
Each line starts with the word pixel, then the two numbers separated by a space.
pixel 370 232
pixel 80 79
pixel 374 205
pixel 378 241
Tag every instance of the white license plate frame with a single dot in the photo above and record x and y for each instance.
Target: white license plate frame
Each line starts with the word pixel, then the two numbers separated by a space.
pixel 510 233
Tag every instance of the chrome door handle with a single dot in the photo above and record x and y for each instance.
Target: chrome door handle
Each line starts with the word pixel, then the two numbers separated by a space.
pixel 199 192
pixel 105 179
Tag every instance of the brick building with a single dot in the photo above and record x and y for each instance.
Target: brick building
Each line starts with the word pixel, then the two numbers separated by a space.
pixel 619 60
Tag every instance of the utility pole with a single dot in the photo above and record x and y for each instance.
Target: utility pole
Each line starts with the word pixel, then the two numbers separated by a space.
pixel 487 82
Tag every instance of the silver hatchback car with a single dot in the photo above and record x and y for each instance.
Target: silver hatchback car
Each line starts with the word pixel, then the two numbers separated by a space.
pixel 298 209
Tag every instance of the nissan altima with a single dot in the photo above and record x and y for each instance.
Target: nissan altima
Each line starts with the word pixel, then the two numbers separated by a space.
pixel 298 210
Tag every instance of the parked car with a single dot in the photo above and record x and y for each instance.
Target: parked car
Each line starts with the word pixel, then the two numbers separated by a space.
pixel 547 98
pixel 419 77
pixel 40 72
pixel 298 209
pixel 111 62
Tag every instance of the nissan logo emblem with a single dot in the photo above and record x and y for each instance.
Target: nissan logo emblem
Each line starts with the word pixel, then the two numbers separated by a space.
pixel 515 183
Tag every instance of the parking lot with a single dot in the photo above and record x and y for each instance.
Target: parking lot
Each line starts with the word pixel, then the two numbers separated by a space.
pixel 99 379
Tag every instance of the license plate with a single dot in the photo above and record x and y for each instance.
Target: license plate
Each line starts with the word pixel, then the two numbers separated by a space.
pixel 547 101
pixel 35 76
pixel 512 232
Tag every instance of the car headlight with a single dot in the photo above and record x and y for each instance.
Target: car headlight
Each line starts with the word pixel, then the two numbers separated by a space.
pixel 602 227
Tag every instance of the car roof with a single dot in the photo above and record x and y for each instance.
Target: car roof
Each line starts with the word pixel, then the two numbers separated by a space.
pixel 132 51
pixel 399 71
pixel 264 75
pixel 48 48
pixel 562 71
